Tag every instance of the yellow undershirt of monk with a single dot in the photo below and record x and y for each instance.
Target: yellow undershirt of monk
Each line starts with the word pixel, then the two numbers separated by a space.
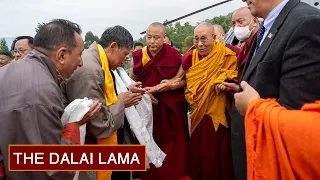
pixel 145 56
pixel 111 98
pixel 220 65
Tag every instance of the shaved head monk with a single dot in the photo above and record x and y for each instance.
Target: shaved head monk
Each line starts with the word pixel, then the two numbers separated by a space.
pixel 219 32
pixel 206 65
pixel 152 64
pixel 245 27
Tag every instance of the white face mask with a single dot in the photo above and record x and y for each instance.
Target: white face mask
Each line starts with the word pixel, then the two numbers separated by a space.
pixel 243 33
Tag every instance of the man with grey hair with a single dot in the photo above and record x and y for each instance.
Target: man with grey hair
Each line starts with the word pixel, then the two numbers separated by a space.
pixel 95 80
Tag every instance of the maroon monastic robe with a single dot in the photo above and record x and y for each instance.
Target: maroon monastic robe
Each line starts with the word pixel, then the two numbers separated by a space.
pixel 235 49
pixel 170 129
pixel 210 155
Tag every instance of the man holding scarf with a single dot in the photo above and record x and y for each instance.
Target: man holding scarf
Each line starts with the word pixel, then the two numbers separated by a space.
pixel 96 81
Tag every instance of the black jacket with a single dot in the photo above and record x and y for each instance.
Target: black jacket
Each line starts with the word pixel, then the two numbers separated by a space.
pixel 286 66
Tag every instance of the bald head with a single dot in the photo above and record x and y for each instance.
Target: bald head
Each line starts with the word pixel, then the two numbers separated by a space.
pixel 243 12
pixel 242 17
pixel 157 25
pixel 204 25
pixel 218 28
pixel 219 32
pixel 156 34
pixel 204 38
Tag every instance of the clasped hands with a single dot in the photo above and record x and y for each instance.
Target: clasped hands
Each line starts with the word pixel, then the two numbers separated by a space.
pixel 130 98
pixel 134 95
pixel 165 85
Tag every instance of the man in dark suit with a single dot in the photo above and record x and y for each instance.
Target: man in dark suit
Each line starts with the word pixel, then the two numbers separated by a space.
pixel 284 62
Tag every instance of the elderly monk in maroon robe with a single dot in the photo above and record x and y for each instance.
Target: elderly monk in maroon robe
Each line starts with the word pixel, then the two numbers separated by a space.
pixel 152 64
pixel 30 97
pixel 245 28
pixel 206 65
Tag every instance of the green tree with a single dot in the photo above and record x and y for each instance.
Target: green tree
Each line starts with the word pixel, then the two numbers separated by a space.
pixel 89 39
pixel 224 21
pixel 3 45
pixel 39 25
pixel 143 39
pixel 181 35
pixel 187 44
pixel 170 31
pixel 178 33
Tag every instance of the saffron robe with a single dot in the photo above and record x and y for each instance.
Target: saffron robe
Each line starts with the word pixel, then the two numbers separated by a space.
pixel 170 128
pixel 210 144
pixel 281 143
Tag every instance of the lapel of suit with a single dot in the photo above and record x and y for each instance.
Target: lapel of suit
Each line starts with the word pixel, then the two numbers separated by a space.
pixel 258 57
pixel 249 57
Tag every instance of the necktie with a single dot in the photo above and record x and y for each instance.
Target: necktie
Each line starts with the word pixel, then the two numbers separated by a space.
pixel 260 35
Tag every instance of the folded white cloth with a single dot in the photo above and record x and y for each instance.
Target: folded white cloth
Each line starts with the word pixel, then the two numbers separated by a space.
pixel 140 119
pixel 74 112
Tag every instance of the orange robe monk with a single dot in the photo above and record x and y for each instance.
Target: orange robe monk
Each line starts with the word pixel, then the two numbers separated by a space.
pixel 281 143
pixel 210 144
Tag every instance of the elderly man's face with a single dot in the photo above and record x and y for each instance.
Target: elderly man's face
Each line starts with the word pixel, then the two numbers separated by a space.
pixel 242 18
pixel 204 39
pixel 21 48
pixel 117 56
pixel 155 38
pixel 4 60
pixel 219 36
pixel 126 59
pixel 243 24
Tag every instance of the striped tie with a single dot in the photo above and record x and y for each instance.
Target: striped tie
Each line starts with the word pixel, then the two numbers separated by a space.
pixel 260 35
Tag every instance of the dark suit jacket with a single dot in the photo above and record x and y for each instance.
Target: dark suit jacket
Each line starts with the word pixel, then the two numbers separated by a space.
pixel 286 66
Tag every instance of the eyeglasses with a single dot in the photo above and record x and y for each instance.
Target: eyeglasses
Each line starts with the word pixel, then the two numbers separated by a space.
pixel 203 39
pixel 20 51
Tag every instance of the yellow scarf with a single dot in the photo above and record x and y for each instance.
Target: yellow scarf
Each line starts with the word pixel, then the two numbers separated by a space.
pixel 145 56
pixel 201 78
pixel 110 97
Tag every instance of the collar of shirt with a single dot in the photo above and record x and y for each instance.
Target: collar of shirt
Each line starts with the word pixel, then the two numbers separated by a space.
pixel 271 18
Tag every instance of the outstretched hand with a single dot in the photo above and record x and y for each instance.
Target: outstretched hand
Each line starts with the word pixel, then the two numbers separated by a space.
pixel 243 99
pixel 94 110
pixel 137 88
